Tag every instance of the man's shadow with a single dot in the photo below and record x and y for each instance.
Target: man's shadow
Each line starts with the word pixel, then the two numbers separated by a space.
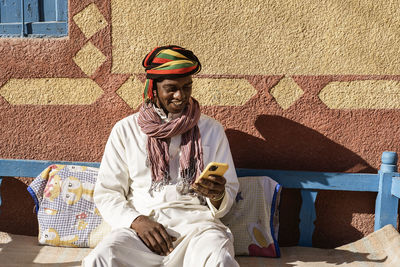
pixel 288 145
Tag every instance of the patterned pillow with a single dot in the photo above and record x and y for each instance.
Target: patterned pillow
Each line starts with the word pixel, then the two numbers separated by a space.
pixel 67 216
pixel 254 217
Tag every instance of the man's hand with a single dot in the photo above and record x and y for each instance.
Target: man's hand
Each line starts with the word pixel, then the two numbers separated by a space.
pixel 212 187
pixel 153 235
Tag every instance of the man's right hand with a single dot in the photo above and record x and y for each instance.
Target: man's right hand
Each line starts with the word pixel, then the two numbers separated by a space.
pixel 153 235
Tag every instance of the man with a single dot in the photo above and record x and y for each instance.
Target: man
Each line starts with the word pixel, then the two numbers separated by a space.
pixel 145 188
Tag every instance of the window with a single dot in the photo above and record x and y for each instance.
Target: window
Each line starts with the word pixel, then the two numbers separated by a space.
pixel 33 18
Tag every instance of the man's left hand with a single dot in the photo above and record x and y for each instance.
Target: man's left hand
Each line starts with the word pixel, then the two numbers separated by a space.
pixel 212 187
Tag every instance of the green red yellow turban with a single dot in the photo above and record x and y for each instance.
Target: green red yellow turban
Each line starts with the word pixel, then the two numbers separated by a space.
pixel 168 62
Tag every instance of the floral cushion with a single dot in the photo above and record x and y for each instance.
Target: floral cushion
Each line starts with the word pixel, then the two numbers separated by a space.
pixel 254 217
pixel 67 215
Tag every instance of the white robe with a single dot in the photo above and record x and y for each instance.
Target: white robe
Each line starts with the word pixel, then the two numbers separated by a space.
pixel 121 192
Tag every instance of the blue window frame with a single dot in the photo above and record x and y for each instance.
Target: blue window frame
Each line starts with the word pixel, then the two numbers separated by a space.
pixel 33 18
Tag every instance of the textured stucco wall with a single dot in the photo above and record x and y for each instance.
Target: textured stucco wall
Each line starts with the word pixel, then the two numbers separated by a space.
pixel 305 85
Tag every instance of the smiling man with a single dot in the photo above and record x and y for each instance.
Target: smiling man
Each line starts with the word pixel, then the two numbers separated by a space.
pixel 174 95
pixel 145 188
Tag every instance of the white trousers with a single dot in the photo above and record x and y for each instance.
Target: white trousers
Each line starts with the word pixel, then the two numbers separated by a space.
pixel 210 247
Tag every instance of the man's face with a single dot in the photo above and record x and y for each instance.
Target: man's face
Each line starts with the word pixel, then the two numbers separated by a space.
pixel 173 94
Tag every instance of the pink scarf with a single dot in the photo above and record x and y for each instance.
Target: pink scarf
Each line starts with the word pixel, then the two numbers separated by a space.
pixel 191 159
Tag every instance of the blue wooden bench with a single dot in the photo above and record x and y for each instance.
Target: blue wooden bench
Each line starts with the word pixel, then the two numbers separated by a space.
pixel 386 183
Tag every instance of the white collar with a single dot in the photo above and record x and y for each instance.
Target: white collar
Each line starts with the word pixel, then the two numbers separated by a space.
pixel 164 117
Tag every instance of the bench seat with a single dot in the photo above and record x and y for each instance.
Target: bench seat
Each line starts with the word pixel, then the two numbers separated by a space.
pixel 380 248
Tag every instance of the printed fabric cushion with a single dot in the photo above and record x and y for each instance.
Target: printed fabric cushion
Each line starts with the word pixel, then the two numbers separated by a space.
pixel 67 215
pixel 254 217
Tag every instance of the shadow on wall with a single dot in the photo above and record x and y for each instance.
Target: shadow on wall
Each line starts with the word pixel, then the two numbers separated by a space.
pixel 288 145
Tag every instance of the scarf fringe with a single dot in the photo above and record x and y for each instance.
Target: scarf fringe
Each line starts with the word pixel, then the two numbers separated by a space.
pixel 183 187
pixel 157 186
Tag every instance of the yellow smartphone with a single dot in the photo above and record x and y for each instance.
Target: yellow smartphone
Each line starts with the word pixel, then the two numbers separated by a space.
pixel 213 168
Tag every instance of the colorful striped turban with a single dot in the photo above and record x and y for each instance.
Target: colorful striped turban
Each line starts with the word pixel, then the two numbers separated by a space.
pixel 168 62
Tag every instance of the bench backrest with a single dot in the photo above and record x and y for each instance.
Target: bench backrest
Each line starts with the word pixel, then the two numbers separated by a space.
pixel 386 183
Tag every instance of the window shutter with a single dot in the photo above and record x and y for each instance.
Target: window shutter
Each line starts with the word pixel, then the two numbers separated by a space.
pixel 42 18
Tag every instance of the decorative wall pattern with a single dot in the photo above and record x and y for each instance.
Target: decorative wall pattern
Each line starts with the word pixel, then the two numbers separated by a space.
pixel 286 92
pixel 90 20
pixel 378 94
pixel 51 91
pixel 89 59
pixel 310 85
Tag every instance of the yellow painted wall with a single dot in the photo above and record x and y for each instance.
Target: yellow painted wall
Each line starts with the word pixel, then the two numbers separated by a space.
pixel 263 36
